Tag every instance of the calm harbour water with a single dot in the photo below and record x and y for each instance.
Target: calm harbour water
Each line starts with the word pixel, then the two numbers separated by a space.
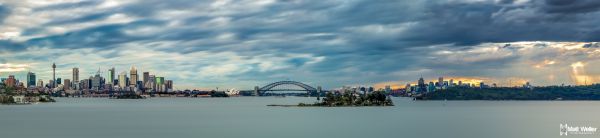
pixel 249 117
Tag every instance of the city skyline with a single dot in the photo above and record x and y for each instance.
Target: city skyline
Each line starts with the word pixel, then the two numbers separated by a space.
pixel 208 44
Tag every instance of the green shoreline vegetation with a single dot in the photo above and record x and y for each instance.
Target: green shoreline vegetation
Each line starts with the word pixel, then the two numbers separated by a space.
pixel 348 99
pixel 10 96
pixel 588 92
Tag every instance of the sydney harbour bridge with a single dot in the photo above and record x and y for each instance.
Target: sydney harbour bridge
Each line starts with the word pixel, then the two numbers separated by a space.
pixel 287 86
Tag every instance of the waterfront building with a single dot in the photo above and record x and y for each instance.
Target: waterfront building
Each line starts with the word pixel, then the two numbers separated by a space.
pixel 11 81
pixel 67 85
pixel 152 82
pixel 97 81
pixel 431 87
pixel 85 84
pixel 75 75
pixel 40 83
pixel 123 80
pixel 362 90
pixel 169 84
pixel 111 76
pixel 160 81
pixel 388 88
pixel 441 82
pixel 527 85
pixel 145 77
pixel 30 79
pixel 421 85
pixel 133 77
pixel 50 83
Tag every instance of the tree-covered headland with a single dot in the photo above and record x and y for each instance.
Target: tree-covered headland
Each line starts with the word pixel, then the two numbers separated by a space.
pixel 588 92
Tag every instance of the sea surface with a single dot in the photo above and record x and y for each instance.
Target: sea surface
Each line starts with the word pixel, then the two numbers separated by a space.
pixel 249 117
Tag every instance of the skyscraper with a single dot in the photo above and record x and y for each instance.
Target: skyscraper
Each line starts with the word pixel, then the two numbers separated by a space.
pixel 53 75
pixel 40 83
pixel 123 80
pixel 169 84
pixel 75 75
pixel 421 85
pixel 11 81
pixel 97 82
pixel 160 81
pixel 58 81
pixel 31 79
pixel 145 78
pixel 152 82
pixel 133 76
pixel 111 76
pixel 441 82
pixel 67 85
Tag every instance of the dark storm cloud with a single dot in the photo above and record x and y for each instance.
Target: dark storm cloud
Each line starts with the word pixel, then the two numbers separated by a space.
pixel 86 18
pixel 81 4
pixel 98 36
pixel 4 11
pixel 7 45
pixel 435 22
pixel 571 6
pixel 476 22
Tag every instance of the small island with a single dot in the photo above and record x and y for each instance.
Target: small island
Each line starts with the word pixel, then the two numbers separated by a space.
pixel 348 99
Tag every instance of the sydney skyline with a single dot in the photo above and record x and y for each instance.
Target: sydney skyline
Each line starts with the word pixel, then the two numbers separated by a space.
pixel 247 43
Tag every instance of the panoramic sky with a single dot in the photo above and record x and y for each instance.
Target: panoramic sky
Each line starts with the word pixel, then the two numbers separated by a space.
pixel 331 43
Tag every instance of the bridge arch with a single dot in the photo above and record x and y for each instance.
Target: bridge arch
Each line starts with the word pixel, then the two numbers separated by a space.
pixel 269 87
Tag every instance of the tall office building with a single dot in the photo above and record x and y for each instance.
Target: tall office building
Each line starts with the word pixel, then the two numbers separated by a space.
pixel 160 81
pixel 30 79
pixel 58 81
pixel 11 81
pixel 152 82
pixel 169 84
pixel 67 85
pixel 97 82
pixel 53 75
pixel 111 76
pixel 123 79
pixel 75 75
pixel 50 83
pixel 133 77
pixel 145 78
pixel 421 85
pixel 40 83
pixel 441 82
pixel 388 89
pixel 430 87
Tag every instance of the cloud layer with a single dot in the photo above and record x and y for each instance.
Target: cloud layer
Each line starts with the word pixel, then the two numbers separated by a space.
pixel 226 43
